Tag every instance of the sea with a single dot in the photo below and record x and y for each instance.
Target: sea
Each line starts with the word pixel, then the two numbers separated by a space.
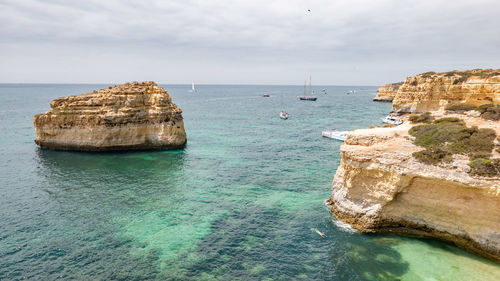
pixel 241 201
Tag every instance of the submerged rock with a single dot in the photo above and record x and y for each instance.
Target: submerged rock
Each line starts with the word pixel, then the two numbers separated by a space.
pixel 131 116
pixel 380 187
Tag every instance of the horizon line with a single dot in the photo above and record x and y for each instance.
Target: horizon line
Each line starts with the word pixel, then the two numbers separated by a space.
pixel 174 84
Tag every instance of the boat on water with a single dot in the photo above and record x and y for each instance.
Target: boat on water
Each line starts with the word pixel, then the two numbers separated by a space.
pixel 338 135
pixel 283 114
pixel 266 95
pixel 308 97
pixel 393 119
pixel 193 89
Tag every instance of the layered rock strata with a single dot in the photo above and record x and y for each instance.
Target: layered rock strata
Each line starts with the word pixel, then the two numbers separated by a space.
pixel 435 91
pixel 132 116
pixel 386 93
pixel 380 187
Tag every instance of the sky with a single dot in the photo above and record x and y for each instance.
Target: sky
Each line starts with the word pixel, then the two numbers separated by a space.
pixel 339 42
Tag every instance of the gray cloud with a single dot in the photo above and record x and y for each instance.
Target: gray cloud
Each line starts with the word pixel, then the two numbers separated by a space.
pixel 220 41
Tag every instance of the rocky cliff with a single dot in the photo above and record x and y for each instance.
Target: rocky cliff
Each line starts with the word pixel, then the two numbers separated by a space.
pixel 380 187
pixel 132 116
pixel 434 91
pixel 387 92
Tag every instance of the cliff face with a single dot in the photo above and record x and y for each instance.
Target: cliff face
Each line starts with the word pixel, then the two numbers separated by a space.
pixel 387 92
pixel 380 187
pixel 434 91
pixel 138 115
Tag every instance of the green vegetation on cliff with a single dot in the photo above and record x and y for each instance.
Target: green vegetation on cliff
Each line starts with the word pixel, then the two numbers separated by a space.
pixel 421 118
pixel 447 136
pixel 487 111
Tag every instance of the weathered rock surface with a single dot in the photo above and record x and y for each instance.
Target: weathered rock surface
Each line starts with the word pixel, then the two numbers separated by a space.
pixel 387 92
pixel 434 91
pixel 380 187
pixel 132 116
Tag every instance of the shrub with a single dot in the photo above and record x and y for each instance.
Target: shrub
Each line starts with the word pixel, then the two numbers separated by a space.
pixel 452 136
pixel 414 82
pixel 490 112
pixel 432 155
pixel 421 118
pixel 460 107
pixel 479 155
pixel 483 108
pixel 428 74
pixel 449 120
pixel 485 167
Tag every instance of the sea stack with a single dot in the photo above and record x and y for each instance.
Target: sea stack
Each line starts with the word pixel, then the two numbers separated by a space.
pixel 387 183
pixel 131 116
pixel 386 93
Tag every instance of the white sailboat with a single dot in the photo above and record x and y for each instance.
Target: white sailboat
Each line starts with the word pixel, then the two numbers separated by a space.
pixel 283 113
pixel 193 89
pixel 309 97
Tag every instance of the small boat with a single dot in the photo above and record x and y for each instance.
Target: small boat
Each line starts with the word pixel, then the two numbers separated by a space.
pixel 338 135
pixel 283 113
pixel 310 97
pixel 193 89
pixel 392 119
pixel 266 95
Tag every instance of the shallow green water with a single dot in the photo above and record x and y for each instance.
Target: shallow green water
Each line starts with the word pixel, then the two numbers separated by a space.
pixel 238 203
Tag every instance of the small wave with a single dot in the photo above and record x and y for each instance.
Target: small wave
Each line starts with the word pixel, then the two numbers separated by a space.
pixel 344 226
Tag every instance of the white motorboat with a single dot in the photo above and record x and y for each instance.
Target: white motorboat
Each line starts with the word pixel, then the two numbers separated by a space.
pixel 338 135
pixel 392 119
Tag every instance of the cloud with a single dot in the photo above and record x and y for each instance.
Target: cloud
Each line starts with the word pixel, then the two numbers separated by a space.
pixel 343 32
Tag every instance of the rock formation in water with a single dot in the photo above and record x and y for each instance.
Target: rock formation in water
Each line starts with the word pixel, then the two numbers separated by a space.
pixel 435 91
pixel 132 116
pixel 380 187
pixel 387 92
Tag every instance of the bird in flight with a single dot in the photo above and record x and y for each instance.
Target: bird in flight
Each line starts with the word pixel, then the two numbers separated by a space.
pixel 308 10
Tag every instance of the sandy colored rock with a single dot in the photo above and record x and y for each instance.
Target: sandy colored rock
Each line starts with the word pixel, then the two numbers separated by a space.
pixel 435 91
pixel 131 116
pixel 387 92
pixel 380 187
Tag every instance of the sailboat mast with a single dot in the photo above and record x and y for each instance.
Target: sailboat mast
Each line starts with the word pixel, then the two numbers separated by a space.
pixel 310 86
pixel 305 82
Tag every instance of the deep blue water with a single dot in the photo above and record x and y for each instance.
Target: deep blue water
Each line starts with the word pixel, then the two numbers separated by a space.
pixel 238 203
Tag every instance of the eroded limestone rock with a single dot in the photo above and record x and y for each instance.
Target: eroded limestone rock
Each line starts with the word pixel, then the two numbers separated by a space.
pixel 131 116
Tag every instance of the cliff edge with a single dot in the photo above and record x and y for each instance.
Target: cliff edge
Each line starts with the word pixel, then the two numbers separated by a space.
pixel 131 116
pixel 432 91
pixel 381 187
pixel 386 93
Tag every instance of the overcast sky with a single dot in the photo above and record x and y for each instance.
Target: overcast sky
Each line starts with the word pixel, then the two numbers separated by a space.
pixel 340 42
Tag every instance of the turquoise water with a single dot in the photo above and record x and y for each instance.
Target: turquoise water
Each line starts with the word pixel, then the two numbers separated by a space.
pixel 238 203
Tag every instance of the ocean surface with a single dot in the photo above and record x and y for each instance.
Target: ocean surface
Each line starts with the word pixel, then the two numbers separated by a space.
pixel 240 202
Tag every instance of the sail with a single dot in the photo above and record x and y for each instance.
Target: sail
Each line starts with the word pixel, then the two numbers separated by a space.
pixel 192 87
